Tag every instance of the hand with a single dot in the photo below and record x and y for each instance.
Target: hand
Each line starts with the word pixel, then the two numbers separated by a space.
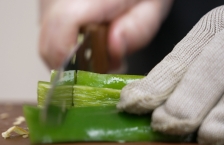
pixel 132 24
pixel 186 88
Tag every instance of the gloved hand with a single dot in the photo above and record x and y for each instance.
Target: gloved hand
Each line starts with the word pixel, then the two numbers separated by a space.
pixel 186 88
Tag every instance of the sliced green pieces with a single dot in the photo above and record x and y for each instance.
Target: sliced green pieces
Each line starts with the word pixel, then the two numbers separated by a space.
pixel 78 96
pixel 88 89
pixel 91 115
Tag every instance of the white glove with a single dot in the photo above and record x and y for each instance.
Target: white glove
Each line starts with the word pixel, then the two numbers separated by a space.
pixel 186 88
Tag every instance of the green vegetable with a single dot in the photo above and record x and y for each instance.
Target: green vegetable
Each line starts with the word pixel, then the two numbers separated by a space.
pixel 104 80
pixel 62 94
pixel 78 96
pixel 91 114
pixel 114 81
pixel 68 77
pixel 84 96
pixel 95 124
pixel 89 89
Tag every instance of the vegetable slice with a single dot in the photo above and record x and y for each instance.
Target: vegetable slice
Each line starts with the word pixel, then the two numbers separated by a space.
pixel 62 94
pixel 68 77
pixel 113 81
pixel 84 96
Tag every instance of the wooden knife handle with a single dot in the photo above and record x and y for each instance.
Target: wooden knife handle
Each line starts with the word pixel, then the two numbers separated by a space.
pixel 94 54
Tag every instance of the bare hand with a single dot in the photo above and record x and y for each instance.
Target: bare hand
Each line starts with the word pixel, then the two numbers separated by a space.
pixel 133 23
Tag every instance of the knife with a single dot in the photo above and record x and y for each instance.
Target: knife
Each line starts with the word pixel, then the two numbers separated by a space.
pixel 54 114
pixel 91 55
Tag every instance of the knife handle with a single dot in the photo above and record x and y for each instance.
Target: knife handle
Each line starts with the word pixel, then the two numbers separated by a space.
pixel 93 55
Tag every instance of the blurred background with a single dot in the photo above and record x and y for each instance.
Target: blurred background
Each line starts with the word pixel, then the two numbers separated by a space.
pixel 21 66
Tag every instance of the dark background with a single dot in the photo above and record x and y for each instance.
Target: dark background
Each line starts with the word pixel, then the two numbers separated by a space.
pixel 183 16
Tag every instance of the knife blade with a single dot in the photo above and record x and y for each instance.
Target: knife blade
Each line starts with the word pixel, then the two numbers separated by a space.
pixel 91 54
pixel 51 113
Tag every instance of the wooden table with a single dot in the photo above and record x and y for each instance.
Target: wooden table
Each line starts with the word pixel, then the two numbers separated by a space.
pixel 15 111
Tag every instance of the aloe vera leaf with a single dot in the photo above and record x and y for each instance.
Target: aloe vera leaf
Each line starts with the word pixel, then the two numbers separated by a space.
pixel 95 124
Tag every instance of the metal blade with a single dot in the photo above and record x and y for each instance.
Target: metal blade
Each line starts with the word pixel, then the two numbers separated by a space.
pixel 52 113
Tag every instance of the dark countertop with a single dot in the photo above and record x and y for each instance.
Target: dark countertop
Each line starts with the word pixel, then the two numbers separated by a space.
pixel 15 111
